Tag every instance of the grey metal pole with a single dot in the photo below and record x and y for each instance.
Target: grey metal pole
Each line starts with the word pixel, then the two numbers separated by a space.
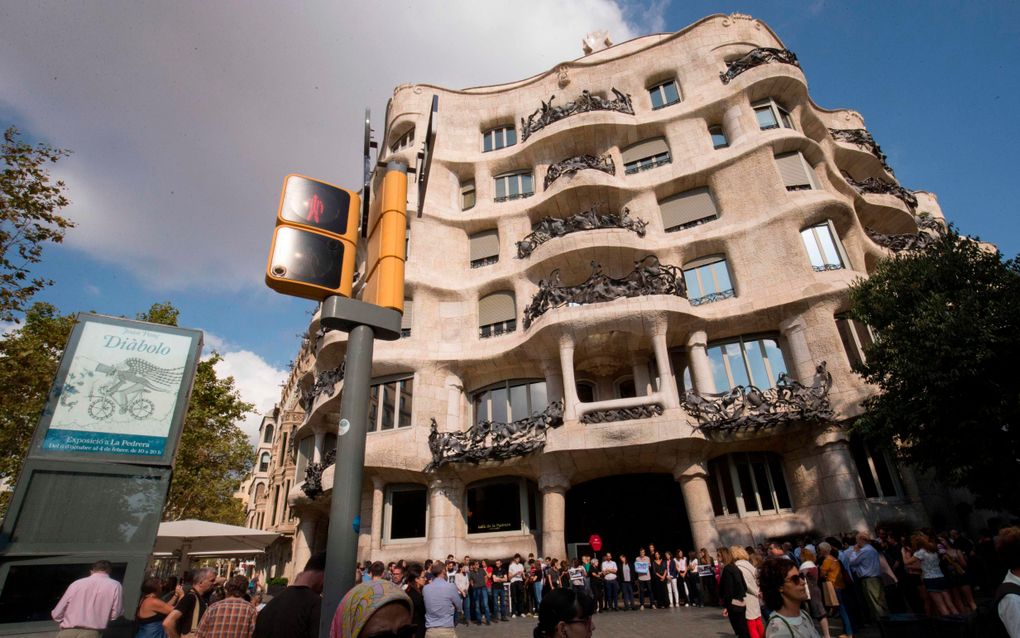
pixel 345 508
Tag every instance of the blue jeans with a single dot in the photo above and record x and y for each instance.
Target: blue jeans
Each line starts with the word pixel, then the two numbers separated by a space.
pixel 627 589
pixel 480 602
pixel 612 591
pixel 499 600
pixel 536 589
pixel 844 616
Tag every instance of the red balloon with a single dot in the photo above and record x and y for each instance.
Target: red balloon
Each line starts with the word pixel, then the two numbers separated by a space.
pixel 595 541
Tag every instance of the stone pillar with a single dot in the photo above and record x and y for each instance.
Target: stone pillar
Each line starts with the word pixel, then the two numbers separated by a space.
pixel 378 503
pixel 570 399
pixel 454 401
pixel 320 442
pixel 842 497
pixel 642 380
pixel 733 124
pixel 554 513
pixel 304 541
pixel 694 484
pixel 701 367
pixel 797 353
pixel 668 387
pixel 446 496
pixel 553 381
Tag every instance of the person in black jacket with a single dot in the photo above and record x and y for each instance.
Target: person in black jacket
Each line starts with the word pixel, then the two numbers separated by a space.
pixel 731 594
pixel 415 579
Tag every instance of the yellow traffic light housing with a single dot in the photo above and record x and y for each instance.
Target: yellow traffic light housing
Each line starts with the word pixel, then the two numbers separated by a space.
pixel 387 224
pixel 315 241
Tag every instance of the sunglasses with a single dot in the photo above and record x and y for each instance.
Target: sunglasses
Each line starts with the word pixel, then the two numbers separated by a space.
pixel 796 579
pixel 407 631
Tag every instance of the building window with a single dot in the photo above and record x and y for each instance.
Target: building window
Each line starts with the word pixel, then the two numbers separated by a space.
pixel 747 483
pixel 770 115
pixel 497 314
pixel 407 319
pixel 403 141
pixel 484 248
pixel 625 388
pixel 467 195
pixel 708 280
pixel 586 392
pixel 509 401
pixel 797 174
pixel 267 436
pixel 856 338
pixel 880 477
pixel 645 155
pixel 389 404
pixel 500 505
pixel 283 449
pixel 718 137
pixel 406 512
pixel 756 361
pixel 305 450
pixel 514 186
pixel 664 94
pixel 264 462
pixel 688 209
pixel 497 138
pixel 823 247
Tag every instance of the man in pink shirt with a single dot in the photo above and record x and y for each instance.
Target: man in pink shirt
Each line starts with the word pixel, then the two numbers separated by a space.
pixel 89 604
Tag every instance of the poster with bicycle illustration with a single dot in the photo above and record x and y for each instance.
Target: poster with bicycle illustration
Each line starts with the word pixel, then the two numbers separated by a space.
pixel 120 389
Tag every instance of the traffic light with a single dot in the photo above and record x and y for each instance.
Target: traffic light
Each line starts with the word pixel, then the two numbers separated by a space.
pixel 387 224
pixel 314 244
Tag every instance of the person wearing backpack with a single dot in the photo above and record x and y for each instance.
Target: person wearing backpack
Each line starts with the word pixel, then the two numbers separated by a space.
pixel 1007 596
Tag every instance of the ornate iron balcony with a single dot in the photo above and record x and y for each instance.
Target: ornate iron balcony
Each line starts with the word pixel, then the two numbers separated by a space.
pixel 712 297
pixel 757 57
pixel 493 441
pixel 313 474
pixel 861 137
pixel 929 229
pixel 649 277
pixel 880 187
pixel 325 383
pixel 623 414
pixel 570 165
pixel 551 227
pixel 586 102
pixel 750 408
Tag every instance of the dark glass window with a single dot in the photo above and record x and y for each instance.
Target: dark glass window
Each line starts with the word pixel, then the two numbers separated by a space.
pixel 879 476
pixel 664 94
pixel 585 392
pixel 718 137
pixel 32 591
pixel 407 513
pixel 494 507
pixel 747 483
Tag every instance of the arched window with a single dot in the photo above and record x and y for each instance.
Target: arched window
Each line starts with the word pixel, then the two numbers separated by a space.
pixel 267 436
pixel 747 483
pixel 264 462
pixel 509 401
pixel 586 391
pixel 756 361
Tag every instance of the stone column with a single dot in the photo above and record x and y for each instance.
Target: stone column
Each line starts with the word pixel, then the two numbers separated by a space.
pixel 668 387
pixel 701 367
pixel 841 495
pixel 454 401
pixel 378 503
pixel 320 442
pixel 797 353
pixel 554 513
pixel 733 124
pixel 642 380
pixel 553 381
pixel 304 541
pixel 570 399
pixel 446 495
pixel 693 476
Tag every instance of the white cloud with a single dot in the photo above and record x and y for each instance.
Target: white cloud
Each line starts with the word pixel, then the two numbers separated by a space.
pixel 185 116
pixel 257 381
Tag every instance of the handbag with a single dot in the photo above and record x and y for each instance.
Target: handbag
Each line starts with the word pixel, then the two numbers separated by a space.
pixel 829 594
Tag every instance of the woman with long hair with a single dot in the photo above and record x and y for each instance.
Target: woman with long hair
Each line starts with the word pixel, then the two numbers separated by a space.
pixel 415 579
pixel 732 592
pixel 153 610
pixel 935 583
pixel 660 574
pixel 693 580
pixel 706 573
pixel 831 571
pixel 816 604
pixel 752 603
pixel 955 567
pixel 672 578
pixel 565 613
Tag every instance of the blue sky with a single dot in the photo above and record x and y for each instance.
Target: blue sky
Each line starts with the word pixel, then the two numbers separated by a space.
pixel 184 118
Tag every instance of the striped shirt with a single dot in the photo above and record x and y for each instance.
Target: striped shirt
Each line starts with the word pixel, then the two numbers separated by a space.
pixel 229 618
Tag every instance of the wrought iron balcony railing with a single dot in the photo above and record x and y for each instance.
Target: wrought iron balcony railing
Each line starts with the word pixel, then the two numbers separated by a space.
pixel 929 229
pixel 622 414
pixel 757 57
pixel 712 297
pixel 312 486
pixel 571 165
pixel 649 277
pixel 325 383
pixel 880 187
pixel 586 102
pixel 861 137
pixel 551 227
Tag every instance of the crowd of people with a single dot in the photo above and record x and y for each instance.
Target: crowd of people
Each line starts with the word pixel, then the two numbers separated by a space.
pixel 777 590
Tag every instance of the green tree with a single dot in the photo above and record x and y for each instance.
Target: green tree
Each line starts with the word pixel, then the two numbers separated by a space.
pixel 948 322
pixel 29 357
pixel 214 453
pixel 30 202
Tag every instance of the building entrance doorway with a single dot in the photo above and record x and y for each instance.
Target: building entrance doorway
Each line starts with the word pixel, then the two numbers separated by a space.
pixel 628 512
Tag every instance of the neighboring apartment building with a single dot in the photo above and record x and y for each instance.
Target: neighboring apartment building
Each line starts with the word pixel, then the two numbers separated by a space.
pixel 255 486
pixel 608 294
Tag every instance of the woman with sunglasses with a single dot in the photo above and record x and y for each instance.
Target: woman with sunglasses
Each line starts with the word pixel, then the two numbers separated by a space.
pixel 565 613
pixel 785 590
pixel 376 609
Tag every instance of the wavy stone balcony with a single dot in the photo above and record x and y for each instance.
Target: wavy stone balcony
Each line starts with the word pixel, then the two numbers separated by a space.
pixel 862 139
pixel 586 102
pixel 550 228
pixel 572 165
pixel 929 229
pixel 757 57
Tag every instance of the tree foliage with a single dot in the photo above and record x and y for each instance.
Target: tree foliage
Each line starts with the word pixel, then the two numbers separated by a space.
pixel 30 203
pixel 214 453
pixel 948 326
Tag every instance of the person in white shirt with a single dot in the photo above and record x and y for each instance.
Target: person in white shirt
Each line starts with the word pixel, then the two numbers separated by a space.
pixel 1007 543
pixel 609 575
pixel 516 573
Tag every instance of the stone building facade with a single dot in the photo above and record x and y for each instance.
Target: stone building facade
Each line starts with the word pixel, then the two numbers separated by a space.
pixel 626 289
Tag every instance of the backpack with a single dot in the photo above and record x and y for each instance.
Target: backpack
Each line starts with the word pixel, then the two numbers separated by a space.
pixel 989 625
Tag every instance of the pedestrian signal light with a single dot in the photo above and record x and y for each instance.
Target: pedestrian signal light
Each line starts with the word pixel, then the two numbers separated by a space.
pixel 314 244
